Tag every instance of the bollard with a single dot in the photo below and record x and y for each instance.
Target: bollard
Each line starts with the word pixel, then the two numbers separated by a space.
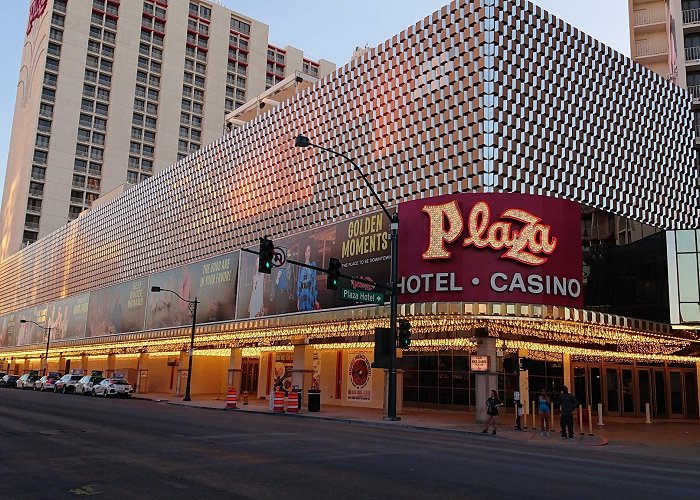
pixel 293 402
pixel 534 424
pixel 244 397
pixel 580 420
pixel 551 415
pixel 600 414
pixel 278 403
pixel 231 398
pixel 590 420
pixel 647 410
pixel 270 400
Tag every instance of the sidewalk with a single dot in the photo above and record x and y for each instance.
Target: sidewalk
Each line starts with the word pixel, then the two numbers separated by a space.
pixel 681 439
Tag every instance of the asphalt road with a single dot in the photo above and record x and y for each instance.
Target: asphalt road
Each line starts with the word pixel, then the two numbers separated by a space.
pixel 57 446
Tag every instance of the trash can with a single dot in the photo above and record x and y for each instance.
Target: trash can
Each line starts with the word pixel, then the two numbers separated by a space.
pixel 299 394
pixel 314 400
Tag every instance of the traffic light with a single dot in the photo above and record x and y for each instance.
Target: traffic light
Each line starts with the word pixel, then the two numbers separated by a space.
pixel 333 279
pixel 267 253
pixel 404 333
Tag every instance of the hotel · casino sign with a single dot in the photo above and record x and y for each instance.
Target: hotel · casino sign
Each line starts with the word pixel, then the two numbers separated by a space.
pixel 498 247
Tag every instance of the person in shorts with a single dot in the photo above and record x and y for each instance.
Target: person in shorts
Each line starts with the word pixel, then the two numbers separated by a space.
pixel 492 405
pixel 543 410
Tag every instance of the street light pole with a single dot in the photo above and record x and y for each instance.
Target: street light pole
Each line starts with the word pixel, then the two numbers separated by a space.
pixel 193 312
pixel 302 142
pixel 47 331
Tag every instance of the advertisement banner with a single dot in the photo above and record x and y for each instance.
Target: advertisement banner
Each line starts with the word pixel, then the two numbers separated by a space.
pixel 117 309
pixel 361 245
pixel 68 317
pixel 212 282
pixel 359 384
pixel 498 247
pixel 29 333
pixel 8 330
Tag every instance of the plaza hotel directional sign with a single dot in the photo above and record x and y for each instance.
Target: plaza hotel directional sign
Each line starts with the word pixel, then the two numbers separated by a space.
pixel 497 247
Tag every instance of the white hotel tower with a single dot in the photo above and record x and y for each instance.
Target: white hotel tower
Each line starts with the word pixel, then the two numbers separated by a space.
pixel 112 91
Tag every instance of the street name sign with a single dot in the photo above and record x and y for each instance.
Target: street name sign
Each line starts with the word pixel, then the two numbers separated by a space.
pixel 362 296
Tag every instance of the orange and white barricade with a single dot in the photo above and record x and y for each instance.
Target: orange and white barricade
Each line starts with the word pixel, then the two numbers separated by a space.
pixel 293 402
pixel 278 403
pixel 231 398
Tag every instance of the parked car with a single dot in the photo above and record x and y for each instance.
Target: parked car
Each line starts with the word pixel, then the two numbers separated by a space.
pixel 9 381
pixel 66 383
pixel 46 383
pixel 26 381
pixel 84 385
pixel 113 387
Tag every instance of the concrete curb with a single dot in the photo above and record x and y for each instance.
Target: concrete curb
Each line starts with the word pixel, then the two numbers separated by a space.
pixel 351 421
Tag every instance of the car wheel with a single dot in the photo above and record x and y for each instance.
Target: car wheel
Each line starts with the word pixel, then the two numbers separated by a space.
pixel 104 394
pixel 54 389
pixel 64 390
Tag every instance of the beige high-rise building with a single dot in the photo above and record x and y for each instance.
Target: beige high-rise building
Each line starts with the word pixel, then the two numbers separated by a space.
pixel 665 37
pixel 111 92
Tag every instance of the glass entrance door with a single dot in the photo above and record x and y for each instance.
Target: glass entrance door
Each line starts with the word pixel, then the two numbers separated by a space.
pixel 627 387
pixel 659 394
pixel 612 391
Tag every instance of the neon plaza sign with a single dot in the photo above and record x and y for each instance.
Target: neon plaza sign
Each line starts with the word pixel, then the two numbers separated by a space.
pixel 519 253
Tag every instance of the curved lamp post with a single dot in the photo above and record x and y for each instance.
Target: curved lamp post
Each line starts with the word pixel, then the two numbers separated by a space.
pixel 302 142
pixel 47 330
pixel 193 312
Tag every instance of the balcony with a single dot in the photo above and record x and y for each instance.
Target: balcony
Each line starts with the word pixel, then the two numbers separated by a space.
pixel 33 209
pixel 36 193
pixel 32 226
pixel 691 17
pixel 652 51
pixel 692 54
pixel 694 92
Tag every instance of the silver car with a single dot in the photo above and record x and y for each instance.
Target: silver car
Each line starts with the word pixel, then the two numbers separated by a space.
pixel 113 387
pixel 84 385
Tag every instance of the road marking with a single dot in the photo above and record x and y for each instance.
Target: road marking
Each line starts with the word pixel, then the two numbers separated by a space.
pixel 88 490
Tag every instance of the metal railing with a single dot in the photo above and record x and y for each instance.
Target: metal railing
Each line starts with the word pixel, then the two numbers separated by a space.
pixel 694 91
pixel 691 16
pixel 658 47
pixel 34 226
pixel 644 17
pixel 692 53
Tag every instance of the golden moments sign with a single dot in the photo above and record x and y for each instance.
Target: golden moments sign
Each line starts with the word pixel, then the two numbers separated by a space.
pixel 498 247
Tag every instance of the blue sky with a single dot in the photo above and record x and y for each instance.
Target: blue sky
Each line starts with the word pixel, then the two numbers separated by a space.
pixel 323 29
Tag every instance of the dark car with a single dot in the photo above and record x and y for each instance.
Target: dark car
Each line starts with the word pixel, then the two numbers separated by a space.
pixel 9 381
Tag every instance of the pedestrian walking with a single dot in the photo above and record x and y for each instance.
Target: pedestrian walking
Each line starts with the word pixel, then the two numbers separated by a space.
pixel 543 409
pixel 492 404
pixel 567 405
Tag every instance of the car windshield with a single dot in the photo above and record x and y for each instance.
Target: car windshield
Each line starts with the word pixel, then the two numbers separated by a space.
pixel 96 380
pixel 75 377
pixel 120 382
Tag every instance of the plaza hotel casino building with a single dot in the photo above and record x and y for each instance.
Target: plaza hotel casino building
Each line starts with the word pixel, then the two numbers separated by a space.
pixel 546 194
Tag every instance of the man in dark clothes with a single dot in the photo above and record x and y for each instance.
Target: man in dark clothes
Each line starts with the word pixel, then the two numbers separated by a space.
pixel 567 405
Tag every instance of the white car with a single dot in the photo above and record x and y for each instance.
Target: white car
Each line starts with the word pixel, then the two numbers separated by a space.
pixel 27 380
pixel 67 383
pixel 113 387
pixel 46 383
pixel 84 385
